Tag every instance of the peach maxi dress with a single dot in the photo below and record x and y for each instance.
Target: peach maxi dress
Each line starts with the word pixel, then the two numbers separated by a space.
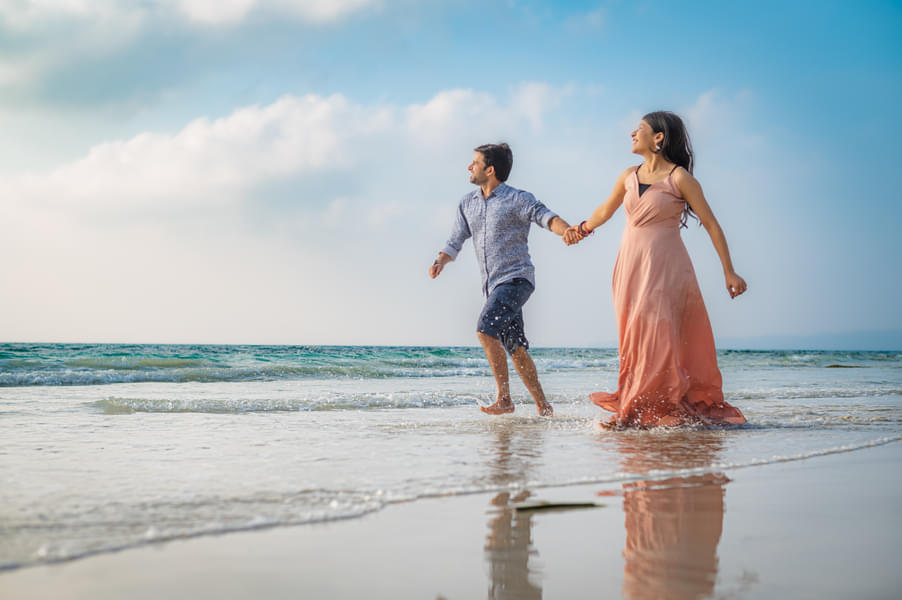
pixel 668 364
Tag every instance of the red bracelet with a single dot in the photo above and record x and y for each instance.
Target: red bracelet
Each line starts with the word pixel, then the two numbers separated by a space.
pixel 583 231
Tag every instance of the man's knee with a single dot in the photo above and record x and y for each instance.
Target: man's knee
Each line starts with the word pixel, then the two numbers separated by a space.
pixel 520 353
pixel 522 360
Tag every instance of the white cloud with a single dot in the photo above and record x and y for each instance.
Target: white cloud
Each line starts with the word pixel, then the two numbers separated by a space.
pixel 216 162
pixel 69 31
pixel 215 12
pixel 19 70
pixel 533 101
pixel 56 32
pixel 230 12
pixel 322 11
pixel 23 16
pixel 457 113
pixel 211 162
pixel 448 112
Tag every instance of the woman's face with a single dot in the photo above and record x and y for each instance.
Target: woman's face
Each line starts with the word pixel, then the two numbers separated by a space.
pixel 643 138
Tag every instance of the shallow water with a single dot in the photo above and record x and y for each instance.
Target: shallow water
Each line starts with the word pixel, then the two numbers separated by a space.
pixel 109 447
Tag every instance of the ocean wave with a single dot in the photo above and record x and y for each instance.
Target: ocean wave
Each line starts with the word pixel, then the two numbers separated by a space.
pixel 23 365
pixel 118 526
pixel 131 362
pixel 103 376
pixel 809 358
pixel 814 421
pixel 814 393
pixel 229 364
pixel 321 402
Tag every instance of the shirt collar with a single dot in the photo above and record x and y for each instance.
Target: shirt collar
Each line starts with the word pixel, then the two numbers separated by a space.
pixel 501 190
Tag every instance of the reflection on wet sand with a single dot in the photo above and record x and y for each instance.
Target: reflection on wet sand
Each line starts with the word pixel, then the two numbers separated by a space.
pixel 508 545
pixel 673 525
pixel 507 550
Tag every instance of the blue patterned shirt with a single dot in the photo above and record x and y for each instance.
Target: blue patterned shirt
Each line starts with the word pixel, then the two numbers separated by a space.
pixel 499 226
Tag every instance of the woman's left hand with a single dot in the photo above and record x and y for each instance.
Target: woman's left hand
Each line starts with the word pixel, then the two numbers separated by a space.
pixel 736 285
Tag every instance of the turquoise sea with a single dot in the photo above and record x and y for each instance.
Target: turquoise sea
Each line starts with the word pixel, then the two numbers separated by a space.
pixel 106 447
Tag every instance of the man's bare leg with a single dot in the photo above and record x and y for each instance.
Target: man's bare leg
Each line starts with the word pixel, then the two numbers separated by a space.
pixel 494 351
pixel 526 368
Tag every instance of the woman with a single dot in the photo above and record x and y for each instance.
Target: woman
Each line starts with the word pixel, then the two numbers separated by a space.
pixel 668 365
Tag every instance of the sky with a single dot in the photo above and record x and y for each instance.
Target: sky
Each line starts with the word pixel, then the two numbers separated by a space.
pixel 285 171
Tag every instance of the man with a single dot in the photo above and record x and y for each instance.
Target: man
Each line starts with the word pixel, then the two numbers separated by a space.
pixel 497 217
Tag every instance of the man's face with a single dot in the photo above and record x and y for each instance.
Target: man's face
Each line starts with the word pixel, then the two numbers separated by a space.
pixel 477 169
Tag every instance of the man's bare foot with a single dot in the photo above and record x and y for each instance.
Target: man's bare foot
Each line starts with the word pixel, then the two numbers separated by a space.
pixel 500 407
pixel 544 410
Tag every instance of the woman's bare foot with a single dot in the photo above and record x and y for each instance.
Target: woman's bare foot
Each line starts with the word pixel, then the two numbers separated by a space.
pixel 500 407
pixel 669 421
pixel 610 425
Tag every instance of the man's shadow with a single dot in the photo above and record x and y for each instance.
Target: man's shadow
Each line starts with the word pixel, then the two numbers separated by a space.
pixel 674 524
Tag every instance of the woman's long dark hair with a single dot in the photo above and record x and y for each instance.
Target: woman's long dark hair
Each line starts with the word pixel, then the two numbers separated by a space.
pixel 675 147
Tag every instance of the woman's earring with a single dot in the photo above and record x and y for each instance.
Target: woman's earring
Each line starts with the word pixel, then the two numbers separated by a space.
pixel 657 147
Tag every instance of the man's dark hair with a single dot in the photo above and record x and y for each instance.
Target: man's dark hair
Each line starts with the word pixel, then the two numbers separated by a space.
pixel 498 156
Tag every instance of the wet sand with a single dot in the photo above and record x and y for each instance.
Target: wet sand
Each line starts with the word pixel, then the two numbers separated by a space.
pixel 824 527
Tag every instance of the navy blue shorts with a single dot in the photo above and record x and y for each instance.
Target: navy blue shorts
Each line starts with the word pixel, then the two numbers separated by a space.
pixel 502 315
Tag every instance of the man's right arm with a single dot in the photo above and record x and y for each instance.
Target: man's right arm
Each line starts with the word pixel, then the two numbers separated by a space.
pixel 459 235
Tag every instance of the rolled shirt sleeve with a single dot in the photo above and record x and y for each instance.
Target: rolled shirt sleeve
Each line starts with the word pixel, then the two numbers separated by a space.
pixel 534 211
pixel 459 233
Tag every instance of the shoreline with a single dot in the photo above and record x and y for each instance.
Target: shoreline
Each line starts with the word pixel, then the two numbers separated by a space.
pixel 557 490
pixel 770 531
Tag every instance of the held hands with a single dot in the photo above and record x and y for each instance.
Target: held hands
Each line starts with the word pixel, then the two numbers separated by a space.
pixel 576 233
pixel 572 235
pixel 735 284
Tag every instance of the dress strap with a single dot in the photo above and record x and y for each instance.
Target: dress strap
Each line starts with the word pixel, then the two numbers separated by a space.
pixel 673 169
